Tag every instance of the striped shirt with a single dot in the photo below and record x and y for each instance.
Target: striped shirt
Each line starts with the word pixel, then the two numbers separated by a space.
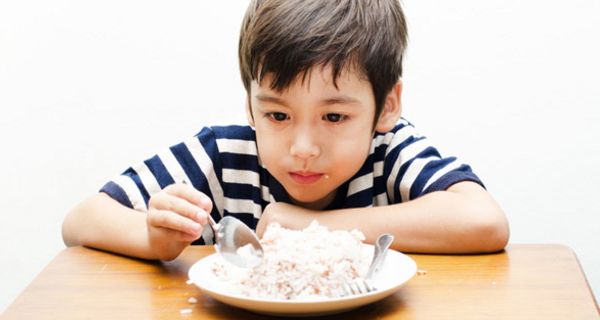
pixel 222 163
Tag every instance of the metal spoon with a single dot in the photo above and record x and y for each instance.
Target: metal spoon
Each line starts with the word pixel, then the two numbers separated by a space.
pixel 236 242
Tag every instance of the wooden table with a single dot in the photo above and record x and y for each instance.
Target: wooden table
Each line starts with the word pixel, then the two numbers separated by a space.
pixel 523 282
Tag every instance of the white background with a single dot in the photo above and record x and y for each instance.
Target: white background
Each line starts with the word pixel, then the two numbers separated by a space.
pixel 88 87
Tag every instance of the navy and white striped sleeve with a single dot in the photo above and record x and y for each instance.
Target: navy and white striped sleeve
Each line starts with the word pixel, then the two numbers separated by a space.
pixel 413 167
pixel 194 161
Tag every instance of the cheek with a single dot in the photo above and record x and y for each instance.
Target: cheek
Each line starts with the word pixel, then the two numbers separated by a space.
pixel 269 147
pixel 351 152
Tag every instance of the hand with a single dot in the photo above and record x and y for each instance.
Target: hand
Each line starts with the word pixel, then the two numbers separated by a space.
pixel 287 215
pixel 176 216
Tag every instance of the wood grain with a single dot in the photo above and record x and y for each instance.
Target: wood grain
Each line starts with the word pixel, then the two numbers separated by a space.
pixel 523 282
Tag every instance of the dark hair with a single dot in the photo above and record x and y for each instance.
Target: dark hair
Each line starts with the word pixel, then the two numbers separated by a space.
pixel 287 38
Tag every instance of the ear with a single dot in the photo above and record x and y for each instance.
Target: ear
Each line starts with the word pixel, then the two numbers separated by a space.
pixel 392 109
pixel 249 115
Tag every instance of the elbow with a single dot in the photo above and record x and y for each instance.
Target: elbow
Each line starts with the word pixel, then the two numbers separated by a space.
pixel 491 234
pixel 66 230
pixel 487 229
pixel 72 228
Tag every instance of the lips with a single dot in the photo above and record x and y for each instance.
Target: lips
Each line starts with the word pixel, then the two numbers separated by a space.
pixel 305 177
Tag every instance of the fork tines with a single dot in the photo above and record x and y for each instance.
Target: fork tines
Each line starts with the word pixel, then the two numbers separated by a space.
pixel 358 286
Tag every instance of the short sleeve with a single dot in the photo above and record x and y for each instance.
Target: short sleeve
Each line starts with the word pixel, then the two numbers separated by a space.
pixel 413 167
pixel 194 161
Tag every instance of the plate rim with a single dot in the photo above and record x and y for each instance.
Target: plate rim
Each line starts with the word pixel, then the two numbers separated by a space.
pixel 324 306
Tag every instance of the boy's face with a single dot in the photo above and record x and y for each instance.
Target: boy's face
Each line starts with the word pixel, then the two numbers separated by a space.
pixel 312 136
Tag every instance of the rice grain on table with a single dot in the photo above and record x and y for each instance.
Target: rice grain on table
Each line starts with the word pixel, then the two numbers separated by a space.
pixel 185 311
pixel 192 300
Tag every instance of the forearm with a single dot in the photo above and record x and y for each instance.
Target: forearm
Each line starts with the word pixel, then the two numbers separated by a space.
pixel 440 222
pixel 461 220
pixel 103 223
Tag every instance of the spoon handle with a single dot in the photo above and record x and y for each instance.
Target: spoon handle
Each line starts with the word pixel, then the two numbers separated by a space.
pixel 215 226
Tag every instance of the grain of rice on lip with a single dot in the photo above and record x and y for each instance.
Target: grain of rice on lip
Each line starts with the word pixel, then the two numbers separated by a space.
pixel 308 264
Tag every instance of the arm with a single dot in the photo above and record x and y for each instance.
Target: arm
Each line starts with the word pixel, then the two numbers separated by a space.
pixel 174 219
pixel 462 219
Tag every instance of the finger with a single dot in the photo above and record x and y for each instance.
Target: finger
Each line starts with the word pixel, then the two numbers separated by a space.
pixel 170 220
pixel 168 202
pixel 179 236
pixel 189 193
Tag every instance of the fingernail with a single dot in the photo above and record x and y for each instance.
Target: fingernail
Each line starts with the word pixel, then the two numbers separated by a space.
pixel 196 226
pixel 201 215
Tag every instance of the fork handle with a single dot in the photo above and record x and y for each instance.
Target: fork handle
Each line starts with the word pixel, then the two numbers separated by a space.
pixel 381 246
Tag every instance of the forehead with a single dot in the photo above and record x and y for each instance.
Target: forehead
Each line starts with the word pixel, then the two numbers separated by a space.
pixel 318 80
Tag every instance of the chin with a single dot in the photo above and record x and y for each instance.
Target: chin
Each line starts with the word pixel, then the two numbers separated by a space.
pixel 311 201
pixel 305 199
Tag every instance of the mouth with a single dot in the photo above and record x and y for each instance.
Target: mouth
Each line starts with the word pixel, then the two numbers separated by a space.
pixel 305 177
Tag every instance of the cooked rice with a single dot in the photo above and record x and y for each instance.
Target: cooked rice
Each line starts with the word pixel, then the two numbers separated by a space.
pixel 185 311
pixel 192 300
pixel 300 264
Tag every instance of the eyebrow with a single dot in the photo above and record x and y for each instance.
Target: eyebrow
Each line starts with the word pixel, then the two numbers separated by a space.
pixel 268 98
pixel 340 99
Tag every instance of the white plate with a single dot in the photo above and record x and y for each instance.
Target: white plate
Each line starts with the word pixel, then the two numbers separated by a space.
pixel 396 270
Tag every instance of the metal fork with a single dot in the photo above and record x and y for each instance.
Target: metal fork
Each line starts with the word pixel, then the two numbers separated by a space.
pixel 363 285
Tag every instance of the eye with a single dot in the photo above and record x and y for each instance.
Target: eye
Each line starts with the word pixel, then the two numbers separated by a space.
pixel 334 117
pixel 277 116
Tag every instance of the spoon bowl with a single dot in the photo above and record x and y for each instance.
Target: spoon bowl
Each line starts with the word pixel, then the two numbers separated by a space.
pixel 236 242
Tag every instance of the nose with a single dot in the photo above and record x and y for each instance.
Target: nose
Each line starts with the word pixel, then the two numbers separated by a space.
pixel 304 144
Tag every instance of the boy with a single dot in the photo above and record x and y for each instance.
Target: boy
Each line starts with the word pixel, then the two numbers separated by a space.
pixel 325 142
